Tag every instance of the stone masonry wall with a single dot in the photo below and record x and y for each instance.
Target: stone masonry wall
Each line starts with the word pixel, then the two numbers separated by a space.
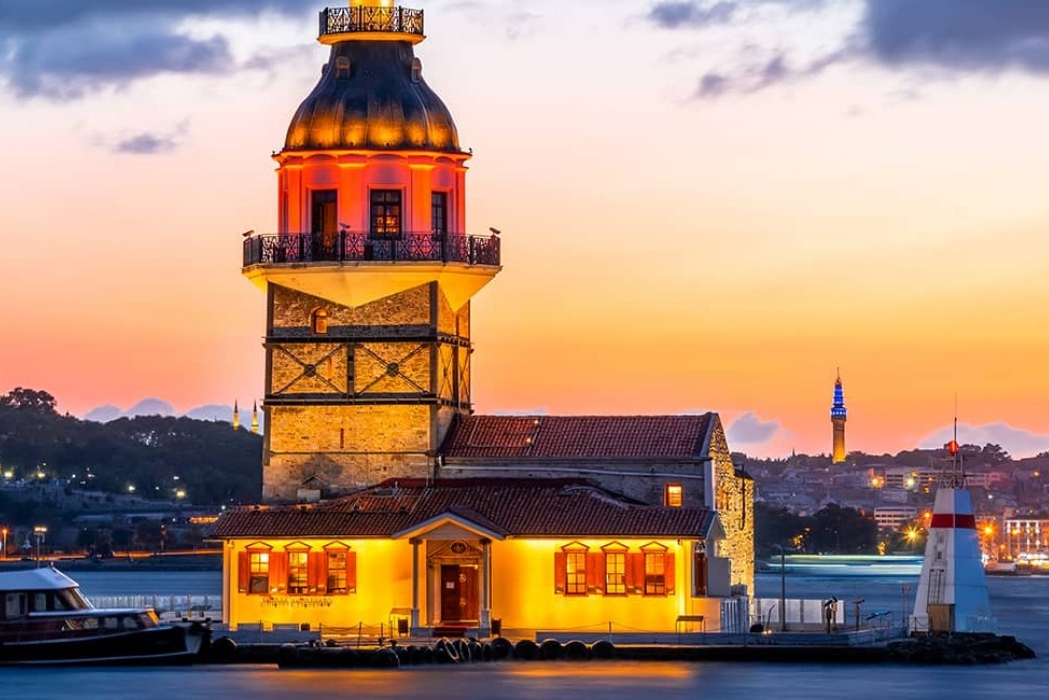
pixel 734 501
pixel 337 446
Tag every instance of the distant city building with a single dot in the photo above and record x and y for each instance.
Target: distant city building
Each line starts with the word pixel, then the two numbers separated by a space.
pixel 1023 536
pixel 255 418
pixel 837 419
pixel 890 518
pixel 236 416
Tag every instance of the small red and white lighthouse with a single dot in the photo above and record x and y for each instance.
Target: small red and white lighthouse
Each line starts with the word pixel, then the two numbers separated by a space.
pixel 952 591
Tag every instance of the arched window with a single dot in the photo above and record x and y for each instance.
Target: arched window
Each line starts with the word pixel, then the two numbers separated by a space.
pixel 319 321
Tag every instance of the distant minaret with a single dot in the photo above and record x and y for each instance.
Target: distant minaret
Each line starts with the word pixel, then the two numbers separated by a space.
pixel 236 416
pixel 255 418
pixel 837 419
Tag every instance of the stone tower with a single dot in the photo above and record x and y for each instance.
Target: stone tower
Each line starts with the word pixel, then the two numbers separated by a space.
pixel 837 420
pixel 369 277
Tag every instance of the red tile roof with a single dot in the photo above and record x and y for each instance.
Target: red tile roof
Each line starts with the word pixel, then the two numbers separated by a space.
pixel 579 437
pixel 505 507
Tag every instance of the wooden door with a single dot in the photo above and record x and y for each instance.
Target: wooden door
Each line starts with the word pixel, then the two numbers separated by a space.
pixel 450 593
pixel 469 603
pixel 460 593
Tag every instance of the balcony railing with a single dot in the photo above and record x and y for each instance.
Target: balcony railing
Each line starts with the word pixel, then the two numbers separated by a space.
pixel 351 246
pixel 348 20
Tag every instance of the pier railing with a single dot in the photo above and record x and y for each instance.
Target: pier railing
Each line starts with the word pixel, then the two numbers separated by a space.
pixel 166 606
pixel 354 246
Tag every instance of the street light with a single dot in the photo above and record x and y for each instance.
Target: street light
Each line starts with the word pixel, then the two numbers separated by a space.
pixel 3 542
pixel 40 531
pixel 782 588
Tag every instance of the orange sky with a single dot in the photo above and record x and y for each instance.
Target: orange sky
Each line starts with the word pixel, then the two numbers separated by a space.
pixel 662 253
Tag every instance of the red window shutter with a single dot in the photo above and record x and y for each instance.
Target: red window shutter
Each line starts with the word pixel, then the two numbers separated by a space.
pixel 318 572
pixel 243 571
pixel 351 572
pixel 559 573
pixel 668 572
pixel 595 572
pixel 278 572
pixel 635 572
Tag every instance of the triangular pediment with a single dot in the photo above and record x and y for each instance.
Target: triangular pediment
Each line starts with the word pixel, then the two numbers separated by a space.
pixel 448 526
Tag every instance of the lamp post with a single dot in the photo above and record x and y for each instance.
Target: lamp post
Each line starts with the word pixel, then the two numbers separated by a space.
pixel 3 542
pixel 782 588
pixel 39 531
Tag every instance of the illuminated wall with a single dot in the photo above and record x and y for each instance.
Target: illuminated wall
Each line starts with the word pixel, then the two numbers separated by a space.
pixel 355 173
pixel 526 594
pixel 383 582
pixel 734 502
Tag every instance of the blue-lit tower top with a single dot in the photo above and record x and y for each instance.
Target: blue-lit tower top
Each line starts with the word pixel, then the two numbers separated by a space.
pixel 837 419
pixel 838 409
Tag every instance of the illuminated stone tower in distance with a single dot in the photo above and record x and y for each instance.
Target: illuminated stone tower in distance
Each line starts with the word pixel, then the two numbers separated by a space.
pixel 837 419
pixel 370 274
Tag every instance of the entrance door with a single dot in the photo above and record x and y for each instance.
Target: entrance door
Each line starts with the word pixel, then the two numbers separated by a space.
pixel 459 594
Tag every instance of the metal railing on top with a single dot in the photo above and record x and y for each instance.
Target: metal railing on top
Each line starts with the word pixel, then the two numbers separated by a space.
pixel 347 20
pixel 351 246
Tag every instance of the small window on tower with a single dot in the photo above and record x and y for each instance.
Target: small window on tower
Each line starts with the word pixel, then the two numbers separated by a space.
pixel 319 321
pixel 342 67
pixel 673 496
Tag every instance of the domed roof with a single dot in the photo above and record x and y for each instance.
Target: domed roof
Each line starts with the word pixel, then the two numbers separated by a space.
pixel 371 95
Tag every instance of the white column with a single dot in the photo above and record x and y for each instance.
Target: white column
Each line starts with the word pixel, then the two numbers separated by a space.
pixel 415 584
pixel 486 581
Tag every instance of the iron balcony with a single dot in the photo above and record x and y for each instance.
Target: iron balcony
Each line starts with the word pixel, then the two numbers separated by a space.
pixel 349 246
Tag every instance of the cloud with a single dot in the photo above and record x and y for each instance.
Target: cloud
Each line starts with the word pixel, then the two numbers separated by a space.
pixel 772 70
pixel 959 35
pixel 66 49
pixel 748 429
pixel 150 143
pixel 673 15
pixel 951 37
pixel 1018 443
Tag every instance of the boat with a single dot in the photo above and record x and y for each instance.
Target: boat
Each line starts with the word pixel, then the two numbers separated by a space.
pixel 46 620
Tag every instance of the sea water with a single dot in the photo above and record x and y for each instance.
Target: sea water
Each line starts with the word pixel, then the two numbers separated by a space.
pixel 1021 605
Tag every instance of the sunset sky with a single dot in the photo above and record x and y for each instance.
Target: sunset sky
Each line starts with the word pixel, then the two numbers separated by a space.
pixel 705 205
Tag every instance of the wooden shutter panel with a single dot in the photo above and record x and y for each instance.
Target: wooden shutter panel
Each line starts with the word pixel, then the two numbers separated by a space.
pixel 668 572
pixel 559 573
pixel 318 573
pixel 278 572
pixel 243 571
pixel 595 572
pixel 700 575
pixel 351 572
pixel 635 572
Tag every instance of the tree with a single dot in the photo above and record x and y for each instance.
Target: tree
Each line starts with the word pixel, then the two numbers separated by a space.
pixel 28 399
pixel 840 530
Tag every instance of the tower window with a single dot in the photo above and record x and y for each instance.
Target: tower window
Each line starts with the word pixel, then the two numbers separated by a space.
pixel 673 495
pixel 342 67
pixel 319 322
pixel 386 213
pixel 439 214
